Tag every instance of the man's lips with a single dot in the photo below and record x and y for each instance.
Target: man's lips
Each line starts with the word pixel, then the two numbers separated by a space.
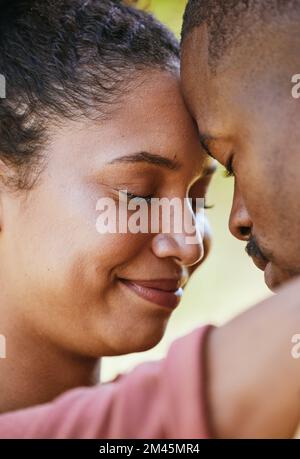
pixel 163 292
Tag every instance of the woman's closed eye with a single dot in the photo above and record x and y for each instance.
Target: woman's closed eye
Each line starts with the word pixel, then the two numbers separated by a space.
pixel 138 199
pixel 195 202
pixel 200 188
pixel 200 203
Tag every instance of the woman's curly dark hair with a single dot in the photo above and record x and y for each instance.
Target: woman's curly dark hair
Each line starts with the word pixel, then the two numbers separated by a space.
pixel 68 58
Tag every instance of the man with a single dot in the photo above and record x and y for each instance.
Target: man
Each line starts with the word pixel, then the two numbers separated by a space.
pixel 239 380
pixel 238 61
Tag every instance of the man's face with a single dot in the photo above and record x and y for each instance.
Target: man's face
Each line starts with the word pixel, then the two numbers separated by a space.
pixel 249 122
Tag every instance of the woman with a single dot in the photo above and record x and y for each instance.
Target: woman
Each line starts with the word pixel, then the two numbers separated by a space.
pixel 93 107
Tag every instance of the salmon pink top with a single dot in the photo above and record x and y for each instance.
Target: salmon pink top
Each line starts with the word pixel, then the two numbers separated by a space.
pixel 164 399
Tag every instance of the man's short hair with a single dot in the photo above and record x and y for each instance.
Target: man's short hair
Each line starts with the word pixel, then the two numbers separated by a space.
pixel 229 20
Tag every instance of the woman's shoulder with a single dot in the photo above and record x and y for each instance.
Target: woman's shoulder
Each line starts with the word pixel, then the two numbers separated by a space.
pixel 161 399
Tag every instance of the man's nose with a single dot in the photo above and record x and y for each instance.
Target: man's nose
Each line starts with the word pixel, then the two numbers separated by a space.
pixel 240 224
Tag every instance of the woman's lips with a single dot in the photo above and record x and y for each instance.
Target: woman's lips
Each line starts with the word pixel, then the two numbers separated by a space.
pixel 163 292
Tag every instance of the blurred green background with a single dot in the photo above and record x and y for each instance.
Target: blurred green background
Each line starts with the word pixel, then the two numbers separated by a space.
pixel 228 282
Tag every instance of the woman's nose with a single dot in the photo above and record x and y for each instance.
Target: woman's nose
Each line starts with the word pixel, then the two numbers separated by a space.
pixel 186 245
pixel 240 223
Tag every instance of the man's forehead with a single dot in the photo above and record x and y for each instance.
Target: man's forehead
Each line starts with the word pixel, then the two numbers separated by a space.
pixel 196 45
pixel 210 97
pixel 194 65
pixel 198 84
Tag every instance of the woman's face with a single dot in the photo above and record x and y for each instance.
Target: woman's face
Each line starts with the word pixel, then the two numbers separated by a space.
pixel 79 288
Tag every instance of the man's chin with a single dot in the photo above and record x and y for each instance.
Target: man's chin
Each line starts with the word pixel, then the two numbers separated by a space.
pixel 275 277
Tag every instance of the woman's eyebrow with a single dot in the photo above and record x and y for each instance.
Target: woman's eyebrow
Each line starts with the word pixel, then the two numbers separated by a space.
pixel 149 158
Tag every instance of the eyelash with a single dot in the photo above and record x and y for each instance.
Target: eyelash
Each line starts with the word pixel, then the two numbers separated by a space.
pixel 206 207
pixel 229 172
pixel 132 196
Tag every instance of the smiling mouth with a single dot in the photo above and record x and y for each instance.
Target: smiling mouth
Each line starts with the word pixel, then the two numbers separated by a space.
pixel 162 292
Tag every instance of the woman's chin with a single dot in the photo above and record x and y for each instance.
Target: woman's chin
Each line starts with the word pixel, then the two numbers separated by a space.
pixel 136 340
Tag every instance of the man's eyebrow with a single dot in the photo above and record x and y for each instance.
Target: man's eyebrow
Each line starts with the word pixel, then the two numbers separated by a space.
pixel 149 158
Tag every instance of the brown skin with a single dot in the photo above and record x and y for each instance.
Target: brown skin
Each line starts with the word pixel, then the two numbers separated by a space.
pixel 62 265
pixel 62 303
pixel 253 381
pixel 247 116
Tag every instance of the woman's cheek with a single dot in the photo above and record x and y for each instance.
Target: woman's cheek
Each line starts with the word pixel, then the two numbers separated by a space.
pixel 207 243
